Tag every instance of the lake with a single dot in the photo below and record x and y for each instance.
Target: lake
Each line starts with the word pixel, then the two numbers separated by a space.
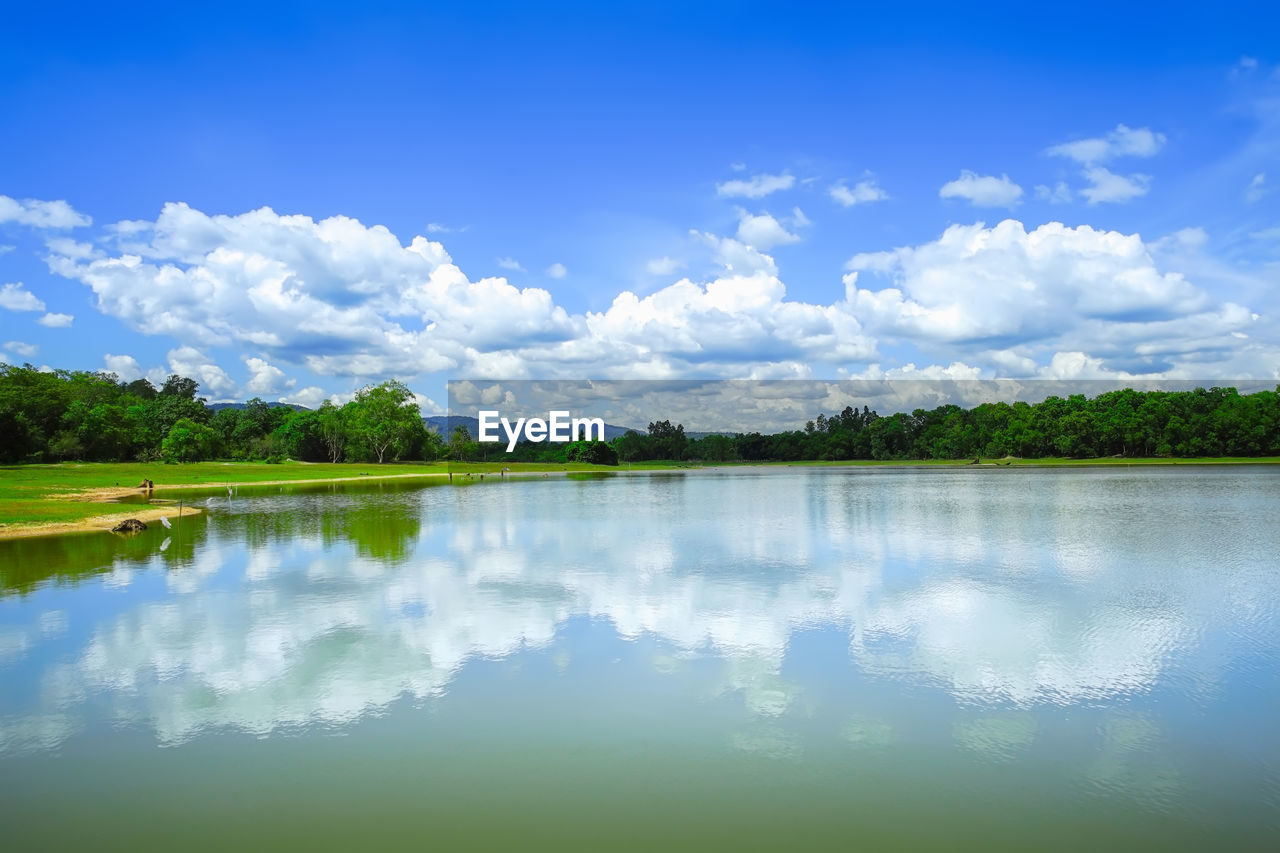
pixel 825 658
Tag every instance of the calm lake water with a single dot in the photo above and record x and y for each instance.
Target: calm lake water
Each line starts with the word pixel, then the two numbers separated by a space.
pixel 794 658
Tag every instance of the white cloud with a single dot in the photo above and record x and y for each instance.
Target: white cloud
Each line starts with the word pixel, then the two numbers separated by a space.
pixel 664 266
pixel 1121 142
pixel 73 248
pixel 1246 65
pixel 14 297
pixel 190 362
pixel 757 186
pixel 510 264
pixel 124 366
pixel 22 348
pixel 265 379
pixel 1059 193
pixel 56 321
pixel 334 295
pixel 982 190
pixel 1051 289
pixel 860 193
pixel 41 214
pixel 761 231
pixel 341 299
pixel 557 270
pixel 313 396
pixel 1107 187
pixel 1257 188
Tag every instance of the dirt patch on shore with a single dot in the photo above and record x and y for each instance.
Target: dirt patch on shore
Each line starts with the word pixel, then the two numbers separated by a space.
pixel 98 522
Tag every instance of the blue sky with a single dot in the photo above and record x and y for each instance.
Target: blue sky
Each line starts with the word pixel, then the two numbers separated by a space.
pixel 656 190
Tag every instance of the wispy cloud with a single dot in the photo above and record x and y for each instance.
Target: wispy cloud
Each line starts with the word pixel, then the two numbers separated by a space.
pixel 664 266
pixel 56 321
pixel 757 186
pixel 860 193
pixel 1107 187
pixel 41 214
pixel 1059 193
pixel 1257 188
pixel 982 190
pixel 22 348
pixel 1121 142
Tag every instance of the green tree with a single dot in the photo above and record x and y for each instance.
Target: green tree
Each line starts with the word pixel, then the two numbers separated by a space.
pixel 333 430
pixel 189 441
pixel 385 419
pixel 461 446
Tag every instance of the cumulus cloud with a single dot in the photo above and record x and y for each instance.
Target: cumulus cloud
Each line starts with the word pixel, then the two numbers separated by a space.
pixel 265 379
pixel 1054 288
pixel 334 295
pixel 14 297
pixel 860 193
pixel 757 186
pixel 313 396
pixel 341 299
pixel 510 264
pixel 41 214
pixel 557 270
pixel 189 361
pixel 1121 142
pixel 763 232
pixel 54 320
pixel 124 366
pixel 982 190
pixel 1106 186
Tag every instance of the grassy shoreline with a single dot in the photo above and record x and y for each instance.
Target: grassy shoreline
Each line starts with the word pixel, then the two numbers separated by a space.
pixel 76 497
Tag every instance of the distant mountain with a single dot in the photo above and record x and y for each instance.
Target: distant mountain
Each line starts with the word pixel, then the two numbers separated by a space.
pixel 217 407
pixel 446 424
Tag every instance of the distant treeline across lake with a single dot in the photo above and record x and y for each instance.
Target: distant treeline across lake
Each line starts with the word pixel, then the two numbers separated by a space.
pixel 49 416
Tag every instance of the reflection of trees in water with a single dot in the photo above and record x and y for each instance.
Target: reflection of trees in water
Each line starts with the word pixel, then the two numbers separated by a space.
pixel 382 520
pixel 384 529
pixel 70 559
pixel 982 588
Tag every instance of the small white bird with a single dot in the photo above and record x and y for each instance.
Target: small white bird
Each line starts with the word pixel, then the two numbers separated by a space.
pixel 165 544
pixel 165 522
pixel 228 491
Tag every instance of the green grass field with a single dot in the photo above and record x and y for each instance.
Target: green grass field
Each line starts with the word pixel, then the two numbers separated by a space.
pixel 35 495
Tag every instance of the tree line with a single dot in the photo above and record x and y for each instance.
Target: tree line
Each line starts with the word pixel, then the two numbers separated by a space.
pixel 53 416
pixel 1127 423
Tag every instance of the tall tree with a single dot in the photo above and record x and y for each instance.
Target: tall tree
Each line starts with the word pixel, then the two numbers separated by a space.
pixel 385 418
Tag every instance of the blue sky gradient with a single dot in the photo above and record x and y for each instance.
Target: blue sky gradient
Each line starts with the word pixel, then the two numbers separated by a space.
pixel 589 150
